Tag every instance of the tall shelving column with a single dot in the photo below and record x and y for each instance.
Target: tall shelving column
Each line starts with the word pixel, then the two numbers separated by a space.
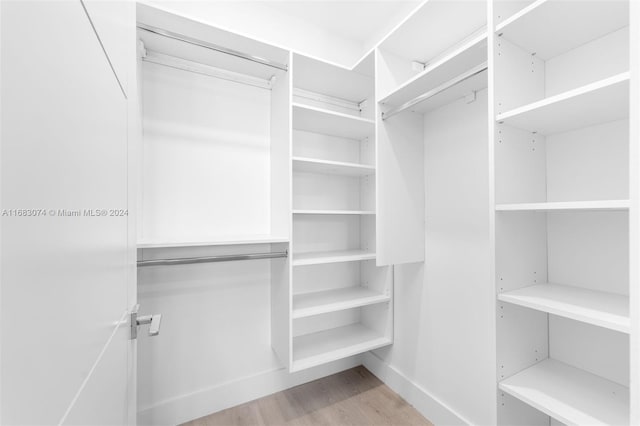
pixel 634 211
pixel 340 300
pixel 561 173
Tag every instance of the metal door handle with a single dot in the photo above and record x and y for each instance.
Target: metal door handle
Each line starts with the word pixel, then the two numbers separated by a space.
pixel 152 320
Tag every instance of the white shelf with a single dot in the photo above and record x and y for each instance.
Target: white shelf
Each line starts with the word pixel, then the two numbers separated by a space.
pixel 336 81
pixel 321 302
pixel 566 24
pixel 606 310
pixel 570 395
pixel 600 102
pixel 568 205
pixel 428 32
pixel 467 55
pixel 311 165
pixel 336 212
pixel 214 241
pixel 319 120
pixel 319 348
pixel 318 258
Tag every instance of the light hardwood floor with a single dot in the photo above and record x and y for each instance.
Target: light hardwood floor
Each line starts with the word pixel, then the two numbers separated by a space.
pixel 352 397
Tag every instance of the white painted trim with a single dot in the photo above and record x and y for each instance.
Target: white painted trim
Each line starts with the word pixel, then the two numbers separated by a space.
pixel 229 394
pixel 430 406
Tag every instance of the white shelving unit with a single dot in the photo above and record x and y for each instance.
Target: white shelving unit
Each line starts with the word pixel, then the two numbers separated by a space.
pixel 562 205
pixel 348 192
pixel 570 395
pixel 339 299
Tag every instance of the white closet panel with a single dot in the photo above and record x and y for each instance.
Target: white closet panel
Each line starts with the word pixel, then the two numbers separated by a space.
pixel 206 156
pixel 562 172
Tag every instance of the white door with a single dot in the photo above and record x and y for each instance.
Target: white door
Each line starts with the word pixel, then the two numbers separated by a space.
pixel 67 256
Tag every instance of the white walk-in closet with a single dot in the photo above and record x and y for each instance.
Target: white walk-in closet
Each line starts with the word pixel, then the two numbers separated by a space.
pixel 320 212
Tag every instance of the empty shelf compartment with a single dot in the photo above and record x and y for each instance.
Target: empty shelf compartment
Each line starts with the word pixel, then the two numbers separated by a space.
pixel 320 302
pixel 570 395
pixel 319 348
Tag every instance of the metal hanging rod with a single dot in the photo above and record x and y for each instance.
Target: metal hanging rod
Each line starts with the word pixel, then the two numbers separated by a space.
pixel 431 93
pixel 210 259
pixel 208 70
pixel 211 46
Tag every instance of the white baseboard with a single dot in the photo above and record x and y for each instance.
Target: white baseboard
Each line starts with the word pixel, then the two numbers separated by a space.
pixel 201 403
pixel 435 410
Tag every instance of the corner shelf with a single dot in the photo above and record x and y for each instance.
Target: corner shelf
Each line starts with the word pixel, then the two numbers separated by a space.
pixel 606 310
pixel 324 121
pixel 462 58
pixel 318 258
pixel 596 103
pixel 311 165
pixel 589 21
pixel 335 212
pixel 570 395
pixel 566 205
pixel 214 241
pixel 319 348
pixel 321 302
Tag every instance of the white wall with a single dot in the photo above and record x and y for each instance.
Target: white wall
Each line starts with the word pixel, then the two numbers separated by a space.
pixel 442 359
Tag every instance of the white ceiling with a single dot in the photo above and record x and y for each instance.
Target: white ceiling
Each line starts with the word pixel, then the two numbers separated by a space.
pixel 364 21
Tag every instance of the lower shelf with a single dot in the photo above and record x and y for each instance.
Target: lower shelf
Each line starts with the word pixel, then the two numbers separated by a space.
pixel 570 395
pixel 321 302
pixel 319 348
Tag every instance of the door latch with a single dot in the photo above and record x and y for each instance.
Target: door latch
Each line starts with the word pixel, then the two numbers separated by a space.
pixel 152 320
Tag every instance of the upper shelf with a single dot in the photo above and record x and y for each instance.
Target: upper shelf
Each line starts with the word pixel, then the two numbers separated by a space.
pixel 339 256
pixel 600 102
pixel 313 165
pixel 214 241
pixel 156 17
pixel 319 120
pixel 464 57
pixel 566 24
pixel 606 310
pixel 336 81
pixel 428 32
pixel 570 395
pixel 566 205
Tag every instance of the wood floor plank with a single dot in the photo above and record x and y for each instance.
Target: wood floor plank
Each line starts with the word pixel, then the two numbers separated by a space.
pixel 354 397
